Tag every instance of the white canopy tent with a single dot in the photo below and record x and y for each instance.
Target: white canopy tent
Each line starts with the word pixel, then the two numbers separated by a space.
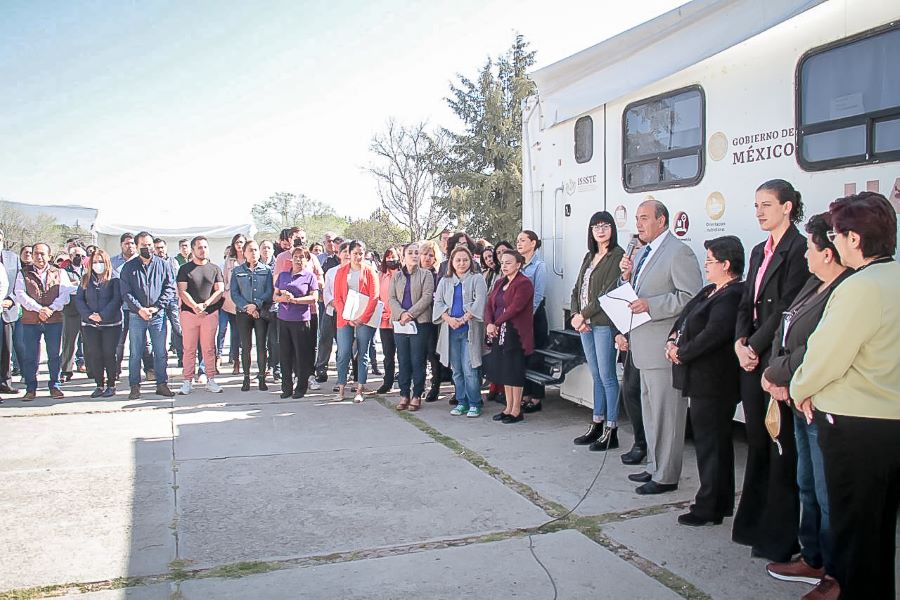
pixel 219 236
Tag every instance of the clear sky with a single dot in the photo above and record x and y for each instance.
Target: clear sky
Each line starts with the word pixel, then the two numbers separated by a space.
pixel 188 112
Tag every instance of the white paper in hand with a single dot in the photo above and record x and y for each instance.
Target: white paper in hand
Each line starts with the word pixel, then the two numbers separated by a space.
pixel 408 329
pixel 355 306
pixel 615 305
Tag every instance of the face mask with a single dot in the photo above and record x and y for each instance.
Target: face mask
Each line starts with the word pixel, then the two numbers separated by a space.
pixel 76 260
pixel 98 268
pixel 392 264
pixel 145 253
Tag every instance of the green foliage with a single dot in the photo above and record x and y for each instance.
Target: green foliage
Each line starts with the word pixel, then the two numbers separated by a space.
pixel 20 229
pixel 378 231
pixel 483 168
pixel 284 209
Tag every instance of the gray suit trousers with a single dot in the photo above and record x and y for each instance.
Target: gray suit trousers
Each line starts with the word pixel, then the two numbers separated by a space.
pixel 665 413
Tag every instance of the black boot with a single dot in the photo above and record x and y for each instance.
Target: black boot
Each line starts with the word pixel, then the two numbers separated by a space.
pixel 433 393
pixel 592 435
pixel 635 456
pixel 246 385
pixel 607 441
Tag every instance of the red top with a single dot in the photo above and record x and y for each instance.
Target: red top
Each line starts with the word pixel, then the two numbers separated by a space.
pixel 517 301
pixel 368 285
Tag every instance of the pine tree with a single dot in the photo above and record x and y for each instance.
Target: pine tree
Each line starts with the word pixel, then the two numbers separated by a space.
pixel 483 168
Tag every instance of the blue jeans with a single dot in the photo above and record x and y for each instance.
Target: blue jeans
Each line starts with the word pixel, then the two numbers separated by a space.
pixel 411 351
pixel 815 526
pixel 31 351
pixel 228 321
pixel 345 335
pixel 137 334
pixel 466 378
pixel 600 354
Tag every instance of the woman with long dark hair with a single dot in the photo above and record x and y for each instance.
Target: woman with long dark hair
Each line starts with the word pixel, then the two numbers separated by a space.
pixel 296 291
pixel 251 292
pixel 99 302
pixel 768 513
pixel 535 269
pixel 390 265
pixel 598 274
pixel 234 255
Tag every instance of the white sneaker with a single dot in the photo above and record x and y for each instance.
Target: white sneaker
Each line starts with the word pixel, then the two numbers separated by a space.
pixel 185 388
pixel 213 387
pixel 358 398
pixel 313 384
pixel 201 379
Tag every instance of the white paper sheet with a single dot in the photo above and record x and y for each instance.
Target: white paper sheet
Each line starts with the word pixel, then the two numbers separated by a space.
pixel 615 305
pixel 356 305
pixel 408 329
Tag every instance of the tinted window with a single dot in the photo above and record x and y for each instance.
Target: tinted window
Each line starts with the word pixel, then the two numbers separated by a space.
pixel 663 141
pixel 849 101
pixel 584 139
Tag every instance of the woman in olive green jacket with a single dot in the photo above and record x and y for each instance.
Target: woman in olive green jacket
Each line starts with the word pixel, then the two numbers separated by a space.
pixel 599 273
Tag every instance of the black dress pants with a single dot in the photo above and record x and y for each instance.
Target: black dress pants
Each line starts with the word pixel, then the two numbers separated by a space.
pixel 100 347
pixel 247 325
pixel 862 473
pixel 389 349
pixel 711 418
pixel 631 397
pixel 297 342
pixel 768 514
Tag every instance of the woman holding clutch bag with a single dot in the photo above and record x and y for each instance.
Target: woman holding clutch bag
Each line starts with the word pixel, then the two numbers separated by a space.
pixel 361 278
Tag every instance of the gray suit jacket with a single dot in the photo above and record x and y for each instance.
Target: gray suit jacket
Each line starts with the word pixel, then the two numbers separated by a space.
pixel 669 279
pixel 12 267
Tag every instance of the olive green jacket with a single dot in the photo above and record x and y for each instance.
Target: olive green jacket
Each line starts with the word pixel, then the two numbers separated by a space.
pixel 603 279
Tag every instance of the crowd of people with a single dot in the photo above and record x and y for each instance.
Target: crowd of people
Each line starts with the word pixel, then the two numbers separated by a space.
pixel 807 343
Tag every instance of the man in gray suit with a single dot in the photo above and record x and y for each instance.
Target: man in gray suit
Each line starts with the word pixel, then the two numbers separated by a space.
pixel 665 275
pixel 10 314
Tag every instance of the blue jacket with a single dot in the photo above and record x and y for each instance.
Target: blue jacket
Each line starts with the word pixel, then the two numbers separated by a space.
pixel 152 285
pixel 252 287
pixel 104 299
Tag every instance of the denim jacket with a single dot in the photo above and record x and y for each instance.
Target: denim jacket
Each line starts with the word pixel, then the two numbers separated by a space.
pixel 252 286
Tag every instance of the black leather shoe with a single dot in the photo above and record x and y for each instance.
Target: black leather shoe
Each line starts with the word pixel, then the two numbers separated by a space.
pixel 512 419
pixel 263 386
pixel 532 407
pixel 635 456
pixel 591 436
pixel 245 387
pixel 608 441
pixel 692 520
pixel 642 477
pixel 321 377
pixel 385 388
pixel 298 393
pixel 97 391
pixel 453 401
pixel 433 393
pixel 651 487
pixel 284 395
pixel 499 416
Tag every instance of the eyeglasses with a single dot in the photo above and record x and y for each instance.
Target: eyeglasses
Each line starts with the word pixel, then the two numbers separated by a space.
pixel 831 234
pixel 711 262
pixel 601 227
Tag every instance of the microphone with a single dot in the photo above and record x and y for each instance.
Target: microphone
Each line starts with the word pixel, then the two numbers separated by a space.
pixel 632 246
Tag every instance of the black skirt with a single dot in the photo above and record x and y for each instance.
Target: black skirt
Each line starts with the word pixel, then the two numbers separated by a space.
pixel 505 363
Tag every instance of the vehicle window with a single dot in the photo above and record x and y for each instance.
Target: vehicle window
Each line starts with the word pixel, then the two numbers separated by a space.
pixel 663 141
pixel 848 109
pixel 584 139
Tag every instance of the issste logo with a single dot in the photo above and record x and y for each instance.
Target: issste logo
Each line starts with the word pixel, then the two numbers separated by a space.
pixel 681 225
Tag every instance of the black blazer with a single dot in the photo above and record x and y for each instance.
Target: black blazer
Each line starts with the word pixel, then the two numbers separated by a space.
pixel 787 358
pixel 784 277
pixel 709 366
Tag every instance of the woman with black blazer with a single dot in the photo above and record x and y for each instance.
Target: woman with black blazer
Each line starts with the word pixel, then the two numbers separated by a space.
pixel 788 350
pixel 769 511
pixel 99 303
pixel 707 372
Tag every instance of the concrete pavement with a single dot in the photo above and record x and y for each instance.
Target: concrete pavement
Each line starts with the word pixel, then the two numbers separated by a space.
pixel 244 495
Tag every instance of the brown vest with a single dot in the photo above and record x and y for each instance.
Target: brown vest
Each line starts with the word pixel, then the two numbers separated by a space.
pixel 43 295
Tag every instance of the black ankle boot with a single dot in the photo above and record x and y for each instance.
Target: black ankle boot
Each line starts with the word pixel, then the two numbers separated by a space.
pixel 246 386
pixel 607 441
pixel 592 435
